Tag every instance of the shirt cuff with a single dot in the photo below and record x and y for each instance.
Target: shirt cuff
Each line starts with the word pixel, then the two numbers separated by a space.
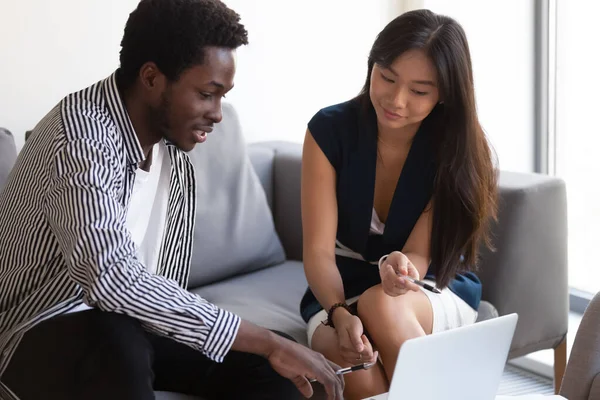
pixel 221 337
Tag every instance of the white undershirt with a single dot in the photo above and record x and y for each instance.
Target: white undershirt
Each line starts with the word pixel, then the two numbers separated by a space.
pixel 377 228
pixel 147 211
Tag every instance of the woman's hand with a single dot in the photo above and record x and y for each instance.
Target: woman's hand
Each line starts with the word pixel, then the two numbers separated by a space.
pixel 392 272
pixel 355 348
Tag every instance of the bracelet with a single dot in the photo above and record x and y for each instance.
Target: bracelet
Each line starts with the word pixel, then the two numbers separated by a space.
pixel 329 321
pixel 381 260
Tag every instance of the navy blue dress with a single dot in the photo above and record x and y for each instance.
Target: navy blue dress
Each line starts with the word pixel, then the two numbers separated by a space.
pixel 347 134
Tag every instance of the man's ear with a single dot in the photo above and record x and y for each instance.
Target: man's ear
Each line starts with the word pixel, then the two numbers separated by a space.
pixel 153 81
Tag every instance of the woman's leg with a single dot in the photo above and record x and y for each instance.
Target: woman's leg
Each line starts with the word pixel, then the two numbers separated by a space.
pixel 390 321
pixel 359 384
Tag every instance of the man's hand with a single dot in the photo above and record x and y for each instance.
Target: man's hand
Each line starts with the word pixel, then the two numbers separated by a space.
pixel 392 270
pixel 290 360
pixel 355 348
pixel 299 364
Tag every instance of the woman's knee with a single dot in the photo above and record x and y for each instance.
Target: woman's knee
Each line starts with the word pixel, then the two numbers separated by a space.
pixel 374 301
pixel 370 298
pixel 382 314
pixel 325 341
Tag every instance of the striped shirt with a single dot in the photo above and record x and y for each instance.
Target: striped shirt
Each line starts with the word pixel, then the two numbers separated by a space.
pixel 63 235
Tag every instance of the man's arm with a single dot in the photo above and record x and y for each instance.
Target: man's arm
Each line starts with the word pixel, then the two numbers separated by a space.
pixel 85 214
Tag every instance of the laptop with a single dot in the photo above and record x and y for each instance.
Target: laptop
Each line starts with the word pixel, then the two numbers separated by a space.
pixel 460 364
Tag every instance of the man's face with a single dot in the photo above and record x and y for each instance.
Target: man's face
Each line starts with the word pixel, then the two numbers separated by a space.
pixel 190 106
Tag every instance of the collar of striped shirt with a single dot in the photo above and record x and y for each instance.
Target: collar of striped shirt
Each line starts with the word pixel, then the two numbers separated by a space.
pixel 118 112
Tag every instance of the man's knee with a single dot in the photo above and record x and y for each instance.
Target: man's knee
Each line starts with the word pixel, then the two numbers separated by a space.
pixel 82 355
pixel 275 386
pixel 118 333
pixel 254 376
pixel 260 380
pixel 120 359
pixel 119 347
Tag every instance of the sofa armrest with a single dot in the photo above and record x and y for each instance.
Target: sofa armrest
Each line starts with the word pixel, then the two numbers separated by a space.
pixel 285 187
pixel 527 273
pixel 581 378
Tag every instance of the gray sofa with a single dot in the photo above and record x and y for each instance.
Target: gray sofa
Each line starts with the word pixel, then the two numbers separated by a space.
pixel 527 274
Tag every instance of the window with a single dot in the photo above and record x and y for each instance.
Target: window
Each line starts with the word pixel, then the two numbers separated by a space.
pixel 576 147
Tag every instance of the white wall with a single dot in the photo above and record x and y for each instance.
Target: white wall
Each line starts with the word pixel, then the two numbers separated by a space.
pixel 310 56
pixel 51 48
pixel 501 40
pixel 302 56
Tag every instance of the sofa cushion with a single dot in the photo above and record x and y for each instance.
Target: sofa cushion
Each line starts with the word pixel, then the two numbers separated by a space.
pixel 8 154
pixel 234 232
pixel 269 298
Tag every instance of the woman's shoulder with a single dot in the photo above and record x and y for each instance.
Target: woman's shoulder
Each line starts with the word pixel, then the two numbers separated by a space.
pixel 338 116
pixel 334 127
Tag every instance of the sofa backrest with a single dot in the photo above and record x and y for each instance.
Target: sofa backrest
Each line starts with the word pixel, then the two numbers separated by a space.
pixel 234 232
pixel 278 165
pixel 8 155
pixel 262 159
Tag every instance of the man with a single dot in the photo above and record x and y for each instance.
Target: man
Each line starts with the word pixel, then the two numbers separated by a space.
pixel 96 222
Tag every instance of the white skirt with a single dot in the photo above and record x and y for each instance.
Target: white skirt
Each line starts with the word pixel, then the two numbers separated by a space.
pixel 449 312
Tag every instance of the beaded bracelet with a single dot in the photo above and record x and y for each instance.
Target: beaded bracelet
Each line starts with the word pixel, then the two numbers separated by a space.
pixel 329 321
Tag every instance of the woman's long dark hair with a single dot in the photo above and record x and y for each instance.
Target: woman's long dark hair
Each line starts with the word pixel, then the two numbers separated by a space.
pixel 465 188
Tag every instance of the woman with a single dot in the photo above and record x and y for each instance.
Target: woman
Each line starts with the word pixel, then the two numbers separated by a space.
pixel 399 178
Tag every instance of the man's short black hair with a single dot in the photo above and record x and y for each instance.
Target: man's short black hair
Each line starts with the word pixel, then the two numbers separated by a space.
pixel 173 34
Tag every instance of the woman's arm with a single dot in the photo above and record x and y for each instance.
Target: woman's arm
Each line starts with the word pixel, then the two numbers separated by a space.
pixel 417 247
pixel 319 230
pixel 319 225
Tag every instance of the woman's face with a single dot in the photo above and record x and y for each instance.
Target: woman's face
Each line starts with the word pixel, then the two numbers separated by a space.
pixel 405 92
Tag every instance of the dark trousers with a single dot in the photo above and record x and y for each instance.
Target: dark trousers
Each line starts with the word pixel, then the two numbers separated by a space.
pixel 98 355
